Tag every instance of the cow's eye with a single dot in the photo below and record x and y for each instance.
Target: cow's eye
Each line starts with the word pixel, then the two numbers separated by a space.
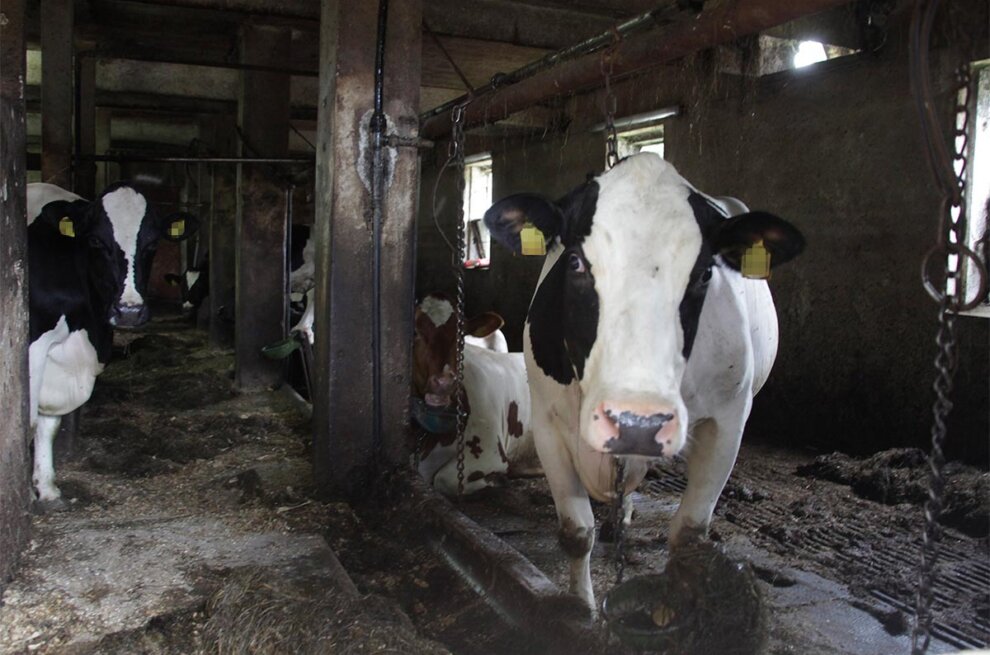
pixel 706 276
pixel 575 262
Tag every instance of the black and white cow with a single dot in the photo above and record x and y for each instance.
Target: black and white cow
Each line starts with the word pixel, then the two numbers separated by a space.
pixel 195 281
pixel 642 339
pixel 88 268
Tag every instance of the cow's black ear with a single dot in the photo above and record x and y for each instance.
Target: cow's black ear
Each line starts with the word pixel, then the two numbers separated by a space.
pixel 507 217
pixel 734 236
pixel 65 218
pixel 179 226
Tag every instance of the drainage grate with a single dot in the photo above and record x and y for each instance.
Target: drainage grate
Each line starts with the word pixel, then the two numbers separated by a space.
pixel 963 582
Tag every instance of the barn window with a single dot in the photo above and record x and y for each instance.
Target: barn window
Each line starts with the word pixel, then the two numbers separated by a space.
pixel 644 139
pixel 477 199
pixel 978 182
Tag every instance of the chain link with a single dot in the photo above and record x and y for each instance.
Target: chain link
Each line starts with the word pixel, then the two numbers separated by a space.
pixel 952 253
pixel 457 155
pixel 618 516
pixel 609 108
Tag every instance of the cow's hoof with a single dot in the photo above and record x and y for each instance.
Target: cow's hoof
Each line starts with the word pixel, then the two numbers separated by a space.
pixel 48 506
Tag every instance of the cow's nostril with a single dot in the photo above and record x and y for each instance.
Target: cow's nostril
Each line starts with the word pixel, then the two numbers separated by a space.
pixel 634 421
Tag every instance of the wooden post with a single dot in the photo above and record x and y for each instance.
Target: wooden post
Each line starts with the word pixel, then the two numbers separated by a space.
pixel 15 494
pixel 261 221
pixel 85 177
pixel 218 134
pixel 56 92
pixel 345 453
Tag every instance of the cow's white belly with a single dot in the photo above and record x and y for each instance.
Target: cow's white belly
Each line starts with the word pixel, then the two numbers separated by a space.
pixel 69 374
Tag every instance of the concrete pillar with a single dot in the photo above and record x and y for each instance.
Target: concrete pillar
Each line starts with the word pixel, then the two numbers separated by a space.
pixel 56 92
pixel 346 455
pixel 14 436
pixel 263 113
pixel 85 171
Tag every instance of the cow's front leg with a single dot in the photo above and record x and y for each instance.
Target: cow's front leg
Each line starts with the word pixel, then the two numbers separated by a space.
pixel 44 467
pixel 576 522
pixel 712 455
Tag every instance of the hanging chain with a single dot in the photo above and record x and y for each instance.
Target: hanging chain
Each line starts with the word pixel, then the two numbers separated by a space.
pixel 609 108
pixel 951 254
pixel 951 239
pixel 618 516
pixel 457 156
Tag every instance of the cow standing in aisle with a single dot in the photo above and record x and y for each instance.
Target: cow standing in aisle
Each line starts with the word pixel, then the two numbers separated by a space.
pixel 498 439
pixel 642 339
pixel 88 269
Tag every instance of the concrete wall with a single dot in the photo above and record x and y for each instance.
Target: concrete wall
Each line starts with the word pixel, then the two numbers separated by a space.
pixel 836 150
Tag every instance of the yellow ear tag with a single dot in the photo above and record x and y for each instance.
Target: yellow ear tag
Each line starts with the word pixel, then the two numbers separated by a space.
pixel 65 227
pixel 177 228
pixel 532 240
pixel 756 262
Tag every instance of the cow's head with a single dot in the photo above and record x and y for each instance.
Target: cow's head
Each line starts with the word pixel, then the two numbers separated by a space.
pixel 617 309
pixel 120 232
pixel 435 347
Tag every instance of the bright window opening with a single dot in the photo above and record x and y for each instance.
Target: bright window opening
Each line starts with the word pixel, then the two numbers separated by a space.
pixel 644 139
pixel 477 200
pixel 808 53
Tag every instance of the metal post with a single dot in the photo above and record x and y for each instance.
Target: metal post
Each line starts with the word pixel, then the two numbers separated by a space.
pixel 85 178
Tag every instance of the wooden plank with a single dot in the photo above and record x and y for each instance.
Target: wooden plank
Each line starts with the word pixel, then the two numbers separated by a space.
pixel 56 92
pixel 346 456
pixel 261 217
pixel 15 495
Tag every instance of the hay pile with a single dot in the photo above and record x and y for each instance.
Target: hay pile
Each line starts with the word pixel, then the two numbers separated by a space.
pixel 259 614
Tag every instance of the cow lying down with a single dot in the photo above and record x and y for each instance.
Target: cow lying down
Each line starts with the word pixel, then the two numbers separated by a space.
pixel 498 440
pixel 642 340
pixel 89 264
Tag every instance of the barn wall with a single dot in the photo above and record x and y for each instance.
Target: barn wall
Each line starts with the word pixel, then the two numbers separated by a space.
pixel 836 150
pixel 839 153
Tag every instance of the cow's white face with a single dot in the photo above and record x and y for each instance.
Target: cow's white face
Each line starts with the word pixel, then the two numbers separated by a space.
pixel 119 235
pixel 641 249
pixel 617 310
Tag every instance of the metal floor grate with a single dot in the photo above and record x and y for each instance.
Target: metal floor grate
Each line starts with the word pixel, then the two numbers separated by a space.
pixel 961 578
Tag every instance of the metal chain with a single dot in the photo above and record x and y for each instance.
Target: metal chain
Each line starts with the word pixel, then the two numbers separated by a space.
pixel 618 514
pixel 951 249
pixel 457 156
pixel 609 108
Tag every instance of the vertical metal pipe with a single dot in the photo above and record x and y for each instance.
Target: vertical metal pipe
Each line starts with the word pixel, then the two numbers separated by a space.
pixel 378 125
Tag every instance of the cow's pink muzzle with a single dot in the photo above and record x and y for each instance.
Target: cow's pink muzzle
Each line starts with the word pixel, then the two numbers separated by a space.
pixel 644 429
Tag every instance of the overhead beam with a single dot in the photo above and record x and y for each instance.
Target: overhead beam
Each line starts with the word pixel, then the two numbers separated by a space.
pixel 714 26
pixel 56 92
pixel 511 22
pixel 15 495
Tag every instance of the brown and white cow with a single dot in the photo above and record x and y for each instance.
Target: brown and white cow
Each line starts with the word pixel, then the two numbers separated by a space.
pixel 498 440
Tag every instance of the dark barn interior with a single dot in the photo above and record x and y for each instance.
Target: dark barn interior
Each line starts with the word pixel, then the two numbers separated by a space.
pixel 221 496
